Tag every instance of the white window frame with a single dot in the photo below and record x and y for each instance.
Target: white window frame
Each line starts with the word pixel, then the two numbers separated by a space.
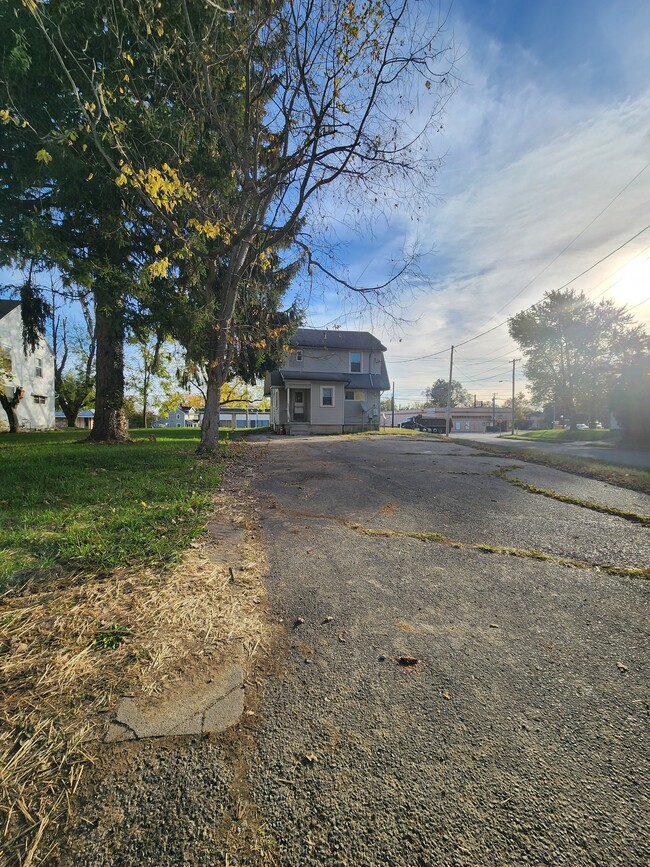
pixel 355 394
pixel 329 388
pixel 38 370
pixel 39 399
pixel 300 355
pixel 356 352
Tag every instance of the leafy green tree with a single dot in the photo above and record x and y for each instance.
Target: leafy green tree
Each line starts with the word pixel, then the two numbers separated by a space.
pixel 223 127
pixel 436 394
pixel 60 210
pixel 629 399
pixel 572 347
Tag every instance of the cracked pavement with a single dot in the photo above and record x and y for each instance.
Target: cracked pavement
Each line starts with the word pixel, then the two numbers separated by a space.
pixel 521 735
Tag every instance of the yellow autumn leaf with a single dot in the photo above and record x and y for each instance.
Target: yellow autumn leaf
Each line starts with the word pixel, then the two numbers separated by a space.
pixel 157 248
pixel 143 504
pixel 43 156
pixel 159 268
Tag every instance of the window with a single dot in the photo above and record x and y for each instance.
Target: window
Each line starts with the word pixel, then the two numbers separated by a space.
pixel 326 396
pixel 39 398
pixel 355 362
pixel 5 359
pixel 351 394
pixel 299 355
pixel 39 366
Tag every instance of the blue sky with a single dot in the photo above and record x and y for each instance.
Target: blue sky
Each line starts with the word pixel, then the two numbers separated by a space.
pixel 546 146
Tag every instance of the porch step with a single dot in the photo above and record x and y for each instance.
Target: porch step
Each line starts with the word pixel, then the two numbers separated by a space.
pixel 298 429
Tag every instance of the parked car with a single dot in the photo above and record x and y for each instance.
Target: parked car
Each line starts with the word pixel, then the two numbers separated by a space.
pixel 582 427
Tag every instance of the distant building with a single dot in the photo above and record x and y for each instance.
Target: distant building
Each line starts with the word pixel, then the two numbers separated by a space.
pixel 229 417
pixel 466 419
pixel 85 420
pixel 31 371
pixel 184 416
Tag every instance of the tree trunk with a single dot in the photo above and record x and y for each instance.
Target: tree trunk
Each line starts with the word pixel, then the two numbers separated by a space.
pixel 11 408
pixel 110 419
pixel 70 411
pixel 225 289
pixel 210 425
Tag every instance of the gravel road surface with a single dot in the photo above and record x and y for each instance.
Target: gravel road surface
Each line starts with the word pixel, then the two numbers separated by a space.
pixel 520 735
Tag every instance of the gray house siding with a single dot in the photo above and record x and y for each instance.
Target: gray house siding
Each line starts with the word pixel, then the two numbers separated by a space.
pixel 329 382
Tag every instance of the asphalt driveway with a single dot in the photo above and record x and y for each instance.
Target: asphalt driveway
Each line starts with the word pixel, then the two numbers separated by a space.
pixel 520 735
pixel 596 451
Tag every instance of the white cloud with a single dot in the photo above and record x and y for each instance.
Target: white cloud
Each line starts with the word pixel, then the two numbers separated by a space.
pixel 528 168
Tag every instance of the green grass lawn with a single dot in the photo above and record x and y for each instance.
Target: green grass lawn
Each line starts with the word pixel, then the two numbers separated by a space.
pixel 66 505
pixel 564 436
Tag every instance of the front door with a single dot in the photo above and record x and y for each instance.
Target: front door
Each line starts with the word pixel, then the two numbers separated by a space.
pixel 298 405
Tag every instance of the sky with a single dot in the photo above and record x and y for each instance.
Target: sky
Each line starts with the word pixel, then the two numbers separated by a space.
pixel 546 171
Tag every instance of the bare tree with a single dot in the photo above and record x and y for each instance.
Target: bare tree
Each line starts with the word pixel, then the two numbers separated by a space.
pixel 74 383
pixel 260 109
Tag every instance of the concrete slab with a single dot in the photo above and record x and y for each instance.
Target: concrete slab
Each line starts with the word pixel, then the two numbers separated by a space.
pixel 210 702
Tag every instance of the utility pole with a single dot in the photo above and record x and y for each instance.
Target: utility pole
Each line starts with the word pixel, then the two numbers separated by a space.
pixel 451 370
pixel 514 362
pixel 392 404
pixel 494 410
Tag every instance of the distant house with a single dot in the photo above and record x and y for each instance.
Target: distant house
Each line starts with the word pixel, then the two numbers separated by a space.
pixel 31 371
pixel 328 382
pixel 184 416
pixel 85 420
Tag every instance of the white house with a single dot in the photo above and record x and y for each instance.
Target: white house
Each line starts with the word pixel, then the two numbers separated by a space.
pixel 31 371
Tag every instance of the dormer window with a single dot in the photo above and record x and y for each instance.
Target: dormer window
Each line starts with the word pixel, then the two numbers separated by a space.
pixel 355 362
pixel 299 355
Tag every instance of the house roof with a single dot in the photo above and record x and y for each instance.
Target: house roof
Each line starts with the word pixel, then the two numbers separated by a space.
pixel 6 306
pixel 353 380
pixel 83 413
pixel 333 339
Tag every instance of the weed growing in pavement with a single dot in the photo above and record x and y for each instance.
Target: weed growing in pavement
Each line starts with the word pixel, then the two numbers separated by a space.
pixel 633 478
pixel 501 473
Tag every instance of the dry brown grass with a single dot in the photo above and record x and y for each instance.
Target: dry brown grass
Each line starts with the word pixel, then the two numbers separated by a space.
pixel 70 649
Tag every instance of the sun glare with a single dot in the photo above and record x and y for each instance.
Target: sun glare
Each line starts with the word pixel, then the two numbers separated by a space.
pixel 632 282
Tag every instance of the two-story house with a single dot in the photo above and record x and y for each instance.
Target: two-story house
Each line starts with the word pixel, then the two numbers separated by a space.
pixel 33 372
pixel 184 416
pixel 329 382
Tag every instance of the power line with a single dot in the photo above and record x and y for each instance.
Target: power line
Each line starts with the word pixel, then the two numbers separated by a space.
pixel 564 286
pixel 572 242
pixel 627 309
